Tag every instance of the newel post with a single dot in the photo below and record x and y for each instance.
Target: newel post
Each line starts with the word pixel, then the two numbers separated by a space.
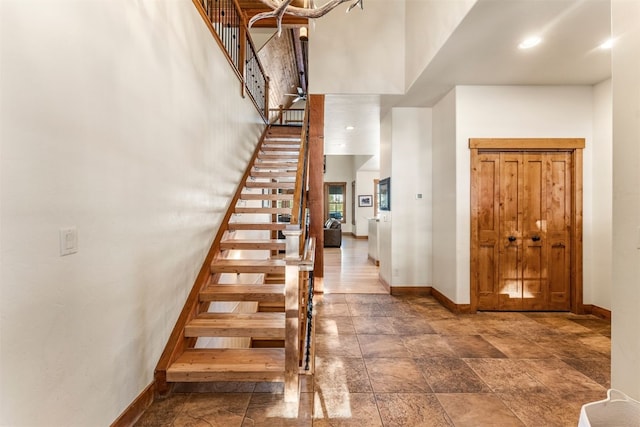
pixel 292 313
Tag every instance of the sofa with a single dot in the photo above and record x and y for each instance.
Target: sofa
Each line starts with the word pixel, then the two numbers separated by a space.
pixel 332 233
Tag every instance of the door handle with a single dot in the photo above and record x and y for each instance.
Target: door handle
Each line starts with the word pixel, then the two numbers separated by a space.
pixel 512 238
pixel 536 238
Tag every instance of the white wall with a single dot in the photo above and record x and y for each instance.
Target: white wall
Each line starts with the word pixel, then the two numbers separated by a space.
pixel 410 176
pixel 429 23
pixel 599 271
pixel 444 196
pixel 339 55
pixel 123 119
pixel 625 300
pixel 384 226
pixel 364 186
pixel 405 231
pixel 519 112
pixel 340 169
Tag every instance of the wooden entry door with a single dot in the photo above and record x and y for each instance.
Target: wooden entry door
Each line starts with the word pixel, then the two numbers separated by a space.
pixel 523 225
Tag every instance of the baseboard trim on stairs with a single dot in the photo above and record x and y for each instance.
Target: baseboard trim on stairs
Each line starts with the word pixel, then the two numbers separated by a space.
pixel 600 312
pixel 450 305
pixel 135 410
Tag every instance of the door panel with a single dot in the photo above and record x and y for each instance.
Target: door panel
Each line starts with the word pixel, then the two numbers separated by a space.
pixel 523 217
pixel 488 228
pixel 534 256
pixel 510 267
pixel 559 217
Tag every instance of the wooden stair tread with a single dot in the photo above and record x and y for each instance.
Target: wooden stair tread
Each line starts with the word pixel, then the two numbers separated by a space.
pixel 230 364
pixel 265 325
pixel 274 244
pixel 250 262
pixel 276 158
pixel 245 210
pixel 247 266
pixel 274 174
pixel 271 307
pixel 277 155
pixel 272 158
pixel 276 166
pixel 288 150
pixel 254 196
pixel 277 148
pixel 280 147
pixel 287 185
pixel 257 225
pixel 261 293
pixel 282 139
pixel 222 317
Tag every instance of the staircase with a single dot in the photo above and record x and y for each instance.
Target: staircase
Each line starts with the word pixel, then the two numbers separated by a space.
pixel 233 326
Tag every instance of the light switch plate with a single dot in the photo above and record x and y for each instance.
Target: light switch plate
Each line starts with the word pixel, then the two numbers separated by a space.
pixel 68 241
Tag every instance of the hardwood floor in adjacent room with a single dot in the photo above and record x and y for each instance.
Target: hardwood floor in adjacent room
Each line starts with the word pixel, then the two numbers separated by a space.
pixel 348 269
pixel 387 360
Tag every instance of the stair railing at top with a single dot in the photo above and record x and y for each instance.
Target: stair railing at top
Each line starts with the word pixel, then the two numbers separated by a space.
pixel 286 116
pixel 225 21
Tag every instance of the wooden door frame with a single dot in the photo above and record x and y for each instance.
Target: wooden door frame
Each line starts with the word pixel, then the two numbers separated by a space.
pixel 326 199
pixel 572 145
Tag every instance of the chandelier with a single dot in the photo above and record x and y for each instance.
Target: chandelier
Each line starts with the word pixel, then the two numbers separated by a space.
pixel 282 7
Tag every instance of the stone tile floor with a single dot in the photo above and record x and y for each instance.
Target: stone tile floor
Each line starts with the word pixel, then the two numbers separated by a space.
pixel 406 361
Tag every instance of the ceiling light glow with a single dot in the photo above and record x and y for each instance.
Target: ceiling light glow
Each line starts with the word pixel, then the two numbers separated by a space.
pixel 530 42
pixel 350 127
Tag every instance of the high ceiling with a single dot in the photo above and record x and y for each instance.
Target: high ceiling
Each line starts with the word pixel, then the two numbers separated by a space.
pixel 483 50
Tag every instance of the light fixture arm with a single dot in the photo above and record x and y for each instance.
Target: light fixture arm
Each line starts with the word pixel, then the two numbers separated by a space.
pixel 282 7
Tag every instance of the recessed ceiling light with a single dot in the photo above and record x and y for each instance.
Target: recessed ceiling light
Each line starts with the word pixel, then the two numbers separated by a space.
pixel 530 42
pixel 607 44
pixel 350 127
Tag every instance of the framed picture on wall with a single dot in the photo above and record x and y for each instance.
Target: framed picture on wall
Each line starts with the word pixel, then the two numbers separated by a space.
pixel 365 201
pixel 385 194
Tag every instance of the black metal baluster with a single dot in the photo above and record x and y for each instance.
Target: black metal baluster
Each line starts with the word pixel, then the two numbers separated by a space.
pixel 309 322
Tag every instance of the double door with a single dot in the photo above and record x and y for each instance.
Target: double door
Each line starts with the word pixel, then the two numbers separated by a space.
pixel 522 223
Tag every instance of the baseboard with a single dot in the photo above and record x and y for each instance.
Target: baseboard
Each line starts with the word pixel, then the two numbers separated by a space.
pixel 374 261
pixel 135 410
pixel 356 237
pixel 600 312
pixel 450 305
pixel 411 290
